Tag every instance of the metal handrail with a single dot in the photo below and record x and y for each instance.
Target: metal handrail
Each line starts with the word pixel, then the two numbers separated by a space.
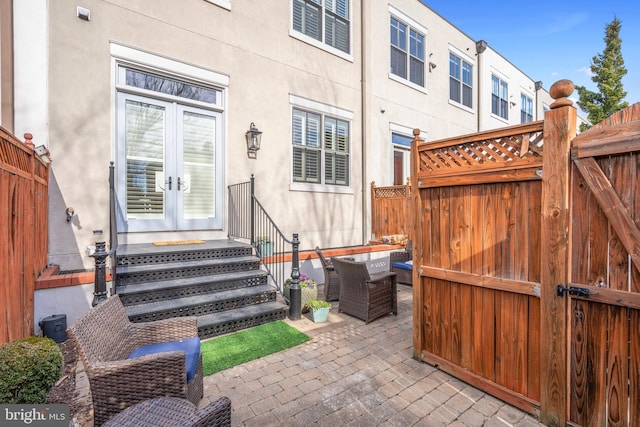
pixel 249 220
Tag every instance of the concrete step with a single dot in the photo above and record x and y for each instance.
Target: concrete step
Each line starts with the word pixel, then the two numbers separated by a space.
pixel 140 293
pixel 201 304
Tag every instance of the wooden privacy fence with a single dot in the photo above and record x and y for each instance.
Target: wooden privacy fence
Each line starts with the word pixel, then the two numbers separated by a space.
pixel 528 281
pixel 24 181
pixel 389 210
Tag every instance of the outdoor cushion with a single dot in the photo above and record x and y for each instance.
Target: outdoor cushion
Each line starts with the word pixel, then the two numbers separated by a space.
pixel 403 265
pixel 191 346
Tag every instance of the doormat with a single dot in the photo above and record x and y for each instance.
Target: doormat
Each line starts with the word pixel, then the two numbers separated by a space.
pixel 240 347
pixel 178 242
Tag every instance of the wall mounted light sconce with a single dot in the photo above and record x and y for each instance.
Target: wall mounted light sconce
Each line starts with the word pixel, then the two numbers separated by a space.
pixel 513 104
pixel 70 213
pixel 432 66
pixel 43 152
pixel 253 136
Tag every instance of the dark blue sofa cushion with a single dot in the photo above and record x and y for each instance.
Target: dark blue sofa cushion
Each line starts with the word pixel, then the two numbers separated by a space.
pixel 191 346
pixel 404 265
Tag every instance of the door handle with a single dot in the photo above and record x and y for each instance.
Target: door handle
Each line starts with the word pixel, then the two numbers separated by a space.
pixel 179 183
pixel 170 183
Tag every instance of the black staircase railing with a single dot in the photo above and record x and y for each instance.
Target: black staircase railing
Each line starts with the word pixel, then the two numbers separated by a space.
pixel 249 220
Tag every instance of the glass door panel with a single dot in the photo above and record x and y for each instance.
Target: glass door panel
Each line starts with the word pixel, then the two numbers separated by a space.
pixel 199 193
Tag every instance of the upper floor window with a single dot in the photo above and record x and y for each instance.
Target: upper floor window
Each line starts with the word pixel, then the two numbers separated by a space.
pixel 324 20
pixel 407 52
pixel 499 97
pixel 526 109
pixel 321 148
pixel 460 81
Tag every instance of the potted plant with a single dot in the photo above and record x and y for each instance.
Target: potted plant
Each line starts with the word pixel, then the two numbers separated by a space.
pixel 264 246
pixel 319 310
pixel 308 289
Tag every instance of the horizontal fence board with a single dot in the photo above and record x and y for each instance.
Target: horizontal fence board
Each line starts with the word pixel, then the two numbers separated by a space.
pixel 482 281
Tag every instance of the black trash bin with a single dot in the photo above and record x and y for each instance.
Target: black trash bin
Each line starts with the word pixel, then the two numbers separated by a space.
pixel 55 327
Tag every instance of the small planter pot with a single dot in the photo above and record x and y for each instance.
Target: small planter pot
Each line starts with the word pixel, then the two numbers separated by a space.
pixel 306 294
pixel 264 249
pixel 319 315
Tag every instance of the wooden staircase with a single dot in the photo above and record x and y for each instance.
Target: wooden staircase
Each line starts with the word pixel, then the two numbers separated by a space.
pixel 218 281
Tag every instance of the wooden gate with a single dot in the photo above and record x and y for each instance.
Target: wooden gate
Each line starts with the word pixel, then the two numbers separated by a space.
pixel 389 207
pixel 507 228
pixel 604 307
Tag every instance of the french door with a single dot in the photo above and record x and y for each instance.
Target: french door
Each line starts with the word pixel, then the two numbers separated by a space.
pixel 169 165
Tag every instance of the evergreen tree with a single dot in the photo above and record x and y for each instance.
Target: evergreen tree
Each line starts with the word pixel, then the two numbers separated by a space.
pixel 608 69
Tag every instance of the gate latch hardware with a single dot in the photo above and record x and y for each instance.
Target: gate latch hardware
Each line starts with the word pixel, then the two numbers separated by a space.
pixel 573 290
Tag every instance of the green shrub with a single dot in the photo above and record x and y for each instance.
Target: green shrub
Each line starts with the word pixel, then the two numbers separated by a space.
pixel 29 367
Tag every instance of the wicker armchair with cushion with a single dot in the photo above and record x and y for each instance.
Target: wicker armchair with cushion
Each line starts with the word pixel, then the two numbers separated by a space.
pixel 401 263
pixel 364 295
pixel 173 412
pixel 331 279
pixel 127 362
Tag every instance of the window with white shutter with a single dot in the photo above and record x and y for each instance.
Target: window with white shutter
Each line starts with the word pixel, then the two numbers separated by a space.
pixel 327 21
pixel 321 148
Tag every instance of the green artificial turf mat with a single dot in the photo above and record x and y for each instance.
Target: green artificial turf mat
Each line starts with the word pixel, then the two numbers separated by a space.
pixel 240 347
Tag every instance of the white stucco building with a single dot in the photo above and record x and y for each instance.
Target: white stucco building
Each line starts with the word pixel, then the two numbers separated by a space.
pixel 167 90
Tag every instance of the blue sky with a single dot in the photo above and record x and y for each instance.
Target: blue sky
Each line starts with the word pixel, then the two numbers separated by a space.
pixel 551 40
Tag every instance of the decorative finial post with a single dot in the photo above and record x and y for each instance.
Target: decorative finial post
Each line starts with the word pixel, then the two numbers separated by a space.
pixel 559 131
pixel 28 140
pixel 560 91
pixel 416 135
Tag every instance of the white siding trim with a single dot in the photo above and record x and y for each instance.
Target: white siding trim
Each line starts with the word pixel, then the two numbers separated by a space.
pixel 407 20
pixel 121 52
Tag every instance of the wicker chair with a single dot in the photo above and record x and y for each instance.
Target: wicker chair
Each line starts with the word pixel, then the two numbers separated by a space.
pixel 331 279
pixel 104 337
pixel 173 412
pixel 397 262
pixel 364 295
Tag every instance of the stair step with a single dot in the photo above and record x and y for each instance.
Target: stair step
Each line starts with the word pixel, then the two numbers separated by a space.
pixel 139 293
pixel 215 324
pixel 157 272
pixel 220 282
pixel 201 304
pixel 148 253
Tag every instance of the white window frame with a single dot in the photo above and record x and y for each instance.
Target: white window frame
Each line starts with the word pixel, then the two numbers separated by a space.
pixel 321 44
pixel 300 103
pixel 412 25
pixel 528 99
pixel 463 58
pixel 501 80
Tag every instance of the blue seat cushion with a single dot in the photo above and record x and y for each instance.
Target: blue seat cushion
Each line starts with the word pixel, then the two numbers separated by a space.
pixel 191 346
pixel 403 265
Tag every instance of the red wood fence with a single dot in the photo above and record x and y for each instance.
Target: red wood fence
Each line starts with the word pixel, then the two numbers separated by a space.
pixel 528 248
pixel 389 210
pixel 24 180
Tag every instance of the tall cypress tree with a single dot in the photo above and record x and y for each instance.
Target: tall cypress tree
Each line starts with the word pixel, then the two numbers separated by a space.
pixel 608 69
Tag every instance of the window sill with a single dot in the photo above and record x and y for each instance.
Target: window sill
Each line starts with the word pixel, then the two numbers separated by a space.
pixel 320 45
pixel 407 83
pixel 461 106
pixel 320 188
